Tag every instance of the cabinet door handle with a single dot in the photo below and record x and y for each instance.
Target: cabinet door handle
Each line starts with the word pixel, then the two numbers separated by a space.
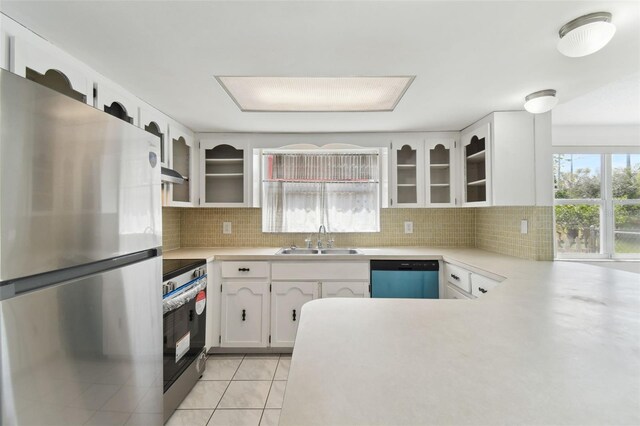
pixel 294 314
pixel 243 269
pixel 482 290
pixel 455 277
pixel 244 315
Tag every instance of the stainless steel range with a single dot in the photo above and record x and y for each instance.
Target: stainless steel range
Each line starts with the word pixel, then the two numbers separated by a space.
pixel 184 298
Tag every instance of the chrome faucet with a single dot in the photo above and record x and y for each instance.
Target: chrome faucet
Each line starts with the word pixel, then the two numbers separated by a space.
pixel 308 242
pixel 322 229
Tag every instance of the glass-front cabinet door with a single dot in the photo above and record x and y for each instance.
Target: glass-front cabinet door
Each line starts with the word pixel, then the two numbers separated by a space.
pixel 224 179
pixel 440 172
pixel 407 173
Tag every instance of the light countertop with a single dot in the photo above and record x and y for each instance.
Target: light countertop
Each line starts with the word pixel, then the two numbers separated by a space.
pixel 489 264
pixel 554 343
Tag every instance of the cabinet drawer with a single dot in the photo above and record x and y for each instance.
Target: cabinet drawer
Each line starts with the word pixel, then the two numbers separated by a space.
pixel 452 292
pixel 481 285
pixel 245 269
pixel 458 277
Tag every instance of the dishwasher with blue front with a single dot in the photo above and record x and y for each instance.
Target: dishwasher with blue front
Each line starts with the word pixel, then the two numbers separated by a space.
pixel 405 279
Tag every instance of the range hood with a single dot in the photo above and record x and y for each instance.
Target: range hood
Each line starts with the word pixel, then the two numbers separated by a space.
pixel 168 175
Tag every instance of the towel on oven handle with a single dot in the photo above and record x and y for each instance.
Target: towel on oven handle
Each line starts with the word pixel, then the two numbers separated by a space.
pixel 175 302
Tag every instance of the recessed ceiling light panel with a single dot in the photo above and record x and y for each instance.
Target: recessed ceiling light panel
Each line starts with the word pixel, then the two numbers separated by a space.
pixel 541 101
pixel 586 34
pixel 316 94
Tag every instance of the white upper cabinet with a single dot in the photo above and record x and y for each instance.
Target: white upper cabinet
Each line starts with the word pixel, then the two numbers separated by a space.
pixel 513 159
pixel 497 158
pixel 157 123
pixel 224 176
pixel 182 159
pixel 440 154
pixel 37 60
pixel 28 55
pixel 476 165
pixel 117 102
pixel 407 174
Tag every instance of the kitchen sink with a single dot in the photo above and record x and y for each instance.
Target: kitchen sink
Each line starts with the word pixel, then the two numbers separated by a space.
pixel 328 251
pixel 339 251
pixel 297 251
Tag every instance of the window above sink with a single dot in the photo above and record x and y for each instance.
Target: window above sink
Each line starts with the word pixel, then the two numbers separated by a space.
pixel 339 186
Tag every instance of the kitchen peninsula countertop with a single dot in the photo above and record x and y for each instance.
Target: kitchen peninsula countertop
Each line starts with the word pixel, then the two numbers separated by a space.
pixel 555 343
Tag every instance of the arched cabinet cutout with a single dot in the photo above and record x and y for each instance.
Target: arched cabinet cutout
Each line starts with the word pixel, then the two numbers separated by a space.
pixel 154 129
pixel 55 80
pixel 117 110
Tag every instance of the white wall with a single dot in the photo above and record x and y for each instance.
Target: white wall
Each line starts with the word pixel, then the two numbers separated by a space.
pixel 596 136
pixel 543 159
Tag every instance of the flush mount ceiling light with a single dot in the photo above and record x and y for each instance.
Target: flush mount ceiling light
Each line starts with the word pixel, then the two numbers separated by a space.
pixel 316 94
pixel 586 34
pixel 541 101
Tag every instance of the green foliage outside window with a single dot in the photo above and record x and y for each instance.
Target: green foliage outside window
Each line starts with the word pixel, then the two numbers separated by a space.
pixel 578 225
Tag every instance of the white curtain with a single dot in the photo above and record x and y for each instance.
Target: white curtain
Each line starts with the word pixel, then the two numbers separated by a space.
pixel 352 207
pixel 301 206
pixel 303 191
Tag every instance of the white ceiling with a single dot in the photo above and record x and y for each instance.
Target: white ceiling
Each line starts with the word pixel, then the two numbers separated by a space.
pixel 617 103
pixel 470 58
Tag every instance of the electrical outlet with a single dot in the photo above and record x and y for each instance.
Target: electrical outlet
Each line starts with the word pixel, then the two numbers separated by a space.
pixel 226 227
pixel 524 226
pixel 408 227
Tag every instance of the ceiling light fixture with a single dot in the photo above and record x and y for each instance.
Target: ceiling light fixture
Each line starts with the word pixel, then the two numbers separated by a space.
pixel 541 101
pixel 586 34
pixel 315 94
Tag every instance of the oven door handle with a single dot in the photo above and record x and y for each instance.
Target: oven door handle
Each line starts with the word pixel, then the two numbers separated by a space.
pixel 175 302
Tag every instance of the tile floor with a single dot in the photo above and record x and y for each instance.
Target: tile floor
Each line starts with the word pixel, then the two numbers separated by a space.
pixel 236 390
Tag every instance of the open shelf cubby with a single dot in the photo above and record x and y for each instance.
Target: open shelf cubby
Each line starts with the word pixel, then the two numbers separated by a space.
pixel 224 175
pixel 181 164
pixel 476 172
pixel 407 194
pixel 440 194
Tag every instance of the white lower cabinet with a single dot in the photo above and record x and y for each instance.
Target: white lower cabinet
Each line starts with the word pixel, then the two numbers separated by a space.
pixel 245 315
pixel 452 292
pixel 287 299
pixel 345 289
pixel 463 284
pixel 261 302
pixel 481 285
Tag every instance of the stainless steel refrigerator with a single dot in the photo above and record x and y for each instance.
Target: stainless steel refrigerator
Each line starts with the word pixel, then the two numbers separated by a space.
pixel 80 263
